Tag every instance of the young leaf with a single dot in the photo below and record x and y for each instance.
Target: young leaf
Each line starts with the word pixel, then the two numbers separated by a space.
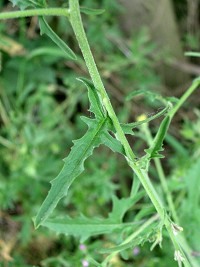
pixel 156 147
pixel 45 28
pixel 73 167
pixel 91 11
pixel 127 127
pixel 95 104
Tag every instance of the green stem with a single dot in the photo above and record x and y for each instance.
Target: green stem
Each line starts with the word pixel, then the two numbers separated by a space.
pixel 185 96
pixel 131 237
pixel 35 12
pixel 161 175
pixel 76 22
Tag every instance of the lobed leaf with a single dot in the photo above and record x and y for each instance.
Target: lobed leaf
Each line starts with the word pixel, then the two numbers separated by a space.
pixel 73 167
pixel 83 227
pixel 74 164
pixel 121 206
pixel 97 108
pixel 45 28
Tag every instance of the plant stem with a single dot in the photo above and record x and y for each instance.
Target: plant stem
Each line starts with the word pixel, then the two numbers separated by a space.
pixel 190 90
pixel 35 12
pixel 161 175
pixel 76 22
pixel 131 237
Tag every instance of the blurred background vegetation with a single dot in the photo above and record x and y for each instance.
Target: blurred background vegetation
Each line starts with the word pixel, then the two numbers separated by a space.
pixel 138 45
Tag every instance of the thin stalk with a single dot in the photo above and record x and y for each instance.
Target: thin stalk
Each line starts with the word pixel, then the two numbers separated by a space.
pixel 161 175
pixel 34 12
pixel 76 22
pixel 131 237
pixel 185 96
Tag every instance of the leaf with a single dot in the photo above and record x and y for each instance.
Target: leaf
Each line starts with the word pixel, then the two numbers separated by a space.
pixel 127 127
pixel 156 147
pixel 73 167
pixel 96 106
pixel 45 28
pixel 74 164
pixel 151 95
pixel 82 149
pixel 43 51
pixel 121 206
pixel 83 227
pixel 112 143
pixel 91 11
pixel 23 4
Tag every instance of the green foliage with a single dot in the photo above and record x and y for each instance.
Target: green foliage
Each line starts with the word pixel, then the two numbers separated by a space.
pixel 39 114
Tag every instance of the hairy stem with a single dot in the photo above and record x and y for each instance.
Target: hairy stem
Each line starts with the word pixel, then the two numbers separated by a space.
pixel 35 12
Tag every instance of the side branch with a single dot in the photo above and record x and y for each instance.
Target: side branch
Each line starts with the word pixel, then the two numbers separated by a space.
pixel 35 12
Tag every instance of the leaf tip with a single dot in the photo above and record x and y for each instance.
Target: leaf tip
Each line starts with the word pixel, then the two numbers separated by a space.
pixel 36 222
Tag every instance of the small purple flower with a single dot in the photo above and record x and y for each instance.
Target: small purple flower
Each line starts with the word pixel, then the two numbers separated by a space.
pixel 136 251
pixel 82 247
pixel 85 263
